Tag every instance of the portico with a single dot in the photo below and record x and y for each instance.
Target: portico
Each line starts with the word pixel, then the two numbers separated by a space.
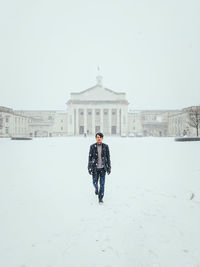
pixel 97 109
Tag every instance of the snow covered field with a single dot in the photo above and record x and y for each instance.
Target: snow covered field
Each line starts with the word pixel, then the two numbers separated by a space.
pixel 50 215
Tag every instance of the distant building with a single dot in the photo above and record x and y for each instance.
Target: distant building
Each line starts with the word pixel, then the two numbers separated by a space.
pixel 97 109
pixel 12 123
pixel 46 123
pixel 92 110
pixel 178 124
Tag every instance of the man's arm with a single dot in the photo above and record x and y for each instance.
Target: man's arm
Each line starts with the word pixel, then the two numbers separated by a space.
pixel 90 159
pixel 108 157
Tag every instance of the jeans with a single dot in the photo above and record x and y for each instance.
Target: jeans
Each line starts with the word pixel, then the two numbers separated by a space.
pixel 95 177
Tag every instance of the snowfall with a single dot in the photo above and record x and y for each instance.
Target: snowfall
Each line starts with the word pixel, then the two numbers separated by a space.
pixel 50 215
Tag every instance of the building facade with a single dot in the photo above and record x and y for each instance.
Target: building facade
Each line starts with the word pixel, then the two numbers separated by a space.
pixel 46 123
pixel 97 109
pixel 178 124
pixel 12 123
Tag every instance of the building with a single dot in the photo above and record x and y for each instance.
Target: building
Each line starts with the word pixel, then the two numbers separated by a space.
pixel 92 110
pixel 178 123
pixel 97 109
pixel 46 123
pixel 12 123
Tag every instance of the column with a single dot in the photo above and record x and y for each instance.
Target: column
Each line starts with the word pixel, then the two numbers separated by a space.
pixel 73 121
pixel 121 117
pixel 93 121
pixel 126 116
pixel 77 121
pixel 124 121
pixel 70 121
pixel 101 120
pixel 85 120
pixel 70 129
pixel 118 120
pixel 110 120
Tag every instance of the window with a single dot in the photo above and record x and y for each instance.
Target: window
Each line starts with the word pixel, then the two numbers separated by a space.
pixel 7 130
pixel 50 118
pixel 7 119
pixel 113 112
pixel 1 122
pixel 61 128
pixel 97 113
pixel 159 118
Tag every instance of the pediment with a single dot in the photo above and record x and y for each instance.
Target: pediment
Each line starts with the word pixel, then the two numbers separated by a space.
pixel 97 93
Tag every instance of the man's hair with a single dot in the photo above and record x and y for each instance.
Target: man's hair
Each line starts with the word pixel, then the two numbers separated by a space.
pixel 100 134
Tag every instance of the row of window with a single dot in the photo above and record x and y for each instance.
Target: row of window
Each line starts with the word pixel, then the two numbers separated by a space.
pixel 97 113
pixel 20 130
pixel 16 119
pixel 20 119
pixel 1 120
pixel 151 117
pixel 51 118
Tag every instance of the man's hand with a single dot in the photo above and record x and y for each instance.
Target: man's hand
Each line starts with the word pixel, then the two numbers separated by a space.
pixel 108 171
pixel 90 171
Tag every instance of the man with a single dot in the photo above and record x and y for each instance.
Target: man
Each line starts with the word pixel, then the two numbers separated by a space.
pixel 98 164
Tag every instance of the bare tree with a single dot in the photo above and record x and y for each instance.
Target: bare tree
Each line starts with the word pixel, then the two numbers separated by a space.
pixel 194 117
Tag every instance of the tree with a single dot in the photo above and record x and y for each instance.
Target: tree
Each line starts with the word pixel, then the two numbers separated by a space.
pixel 194 117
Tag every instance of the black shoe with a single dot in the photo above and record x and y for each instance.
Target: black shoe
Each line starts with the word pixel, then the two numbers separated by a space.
pixel 96 191
pixel 100 200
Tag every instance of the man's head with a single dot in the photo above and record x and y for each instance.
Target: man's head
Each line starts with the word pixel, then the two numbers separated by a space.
pixel 99 137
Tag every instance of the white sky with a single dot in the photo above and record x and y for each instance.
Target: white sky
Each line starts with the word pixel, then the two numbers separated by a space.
pixel 148 49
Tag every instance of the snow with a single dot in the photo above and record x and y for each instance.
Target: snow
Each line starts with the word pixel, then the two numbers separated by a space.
pixel 50 215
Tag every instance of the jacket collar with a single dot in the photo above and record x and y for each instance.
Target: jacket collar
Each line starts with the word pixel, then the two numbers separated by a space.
pixel 95 146
pixel 101 143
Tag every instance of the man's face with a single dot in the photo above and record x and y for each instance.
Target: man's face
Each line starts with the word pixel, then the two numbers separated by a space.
pixel 99 139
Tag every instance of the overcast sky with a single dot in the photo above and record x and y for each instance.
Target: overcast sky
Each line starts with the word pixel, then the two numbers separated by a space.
pixel 148 49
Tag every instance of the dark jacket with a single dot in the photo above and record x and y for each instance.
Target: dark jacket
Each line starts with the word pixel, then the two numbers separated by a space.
pixel 93 157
